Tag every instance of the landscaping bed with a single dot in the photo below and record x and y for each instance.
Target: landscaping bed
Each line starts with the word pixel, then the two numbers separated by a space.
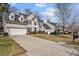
pixel 9 47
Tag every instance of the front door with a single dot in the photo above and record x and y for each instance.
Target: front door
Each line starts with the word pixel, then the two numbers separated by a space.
pixel 35 29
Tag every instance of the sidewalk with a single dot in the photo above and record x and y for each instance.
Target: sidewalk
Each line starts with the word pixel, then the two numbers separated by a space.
pixel 41 47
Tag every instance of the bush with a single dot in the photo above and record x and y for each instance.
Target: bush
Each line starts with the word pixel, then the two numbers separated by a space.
pixel 75 32
pixel 39 31
pixel 2 34
pixel 43 32
pixel 69 32
pixel 34 32
pixel 5 34
pixel 54 33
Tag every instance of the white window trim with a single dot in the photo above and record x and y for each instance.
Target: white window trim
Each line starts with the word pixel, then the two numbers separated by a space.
pixel 21 18
pixel 10 16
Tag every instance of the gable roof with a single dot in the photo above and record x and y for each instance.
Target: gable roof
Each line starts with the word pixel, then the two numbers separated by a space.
pixel 16 21
pixel 17 15
pixel 31 17
pixel 13 22
pixel 46 26
pixel 40 20
pixel 52 23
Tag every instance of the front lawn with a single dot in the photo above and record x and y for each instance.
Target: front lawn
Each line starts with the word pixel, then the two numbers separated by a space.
pixel 54 37
pixel 62 38
pixel 9 47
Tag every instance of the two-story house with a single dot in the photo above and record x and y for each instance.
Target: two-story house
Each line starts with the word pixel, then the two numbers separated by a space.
pixel 20 24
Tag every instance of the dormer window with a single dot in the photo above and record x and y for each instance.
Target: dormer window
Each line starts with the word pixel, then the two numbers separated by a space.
pixel 21 18
pixel 12 16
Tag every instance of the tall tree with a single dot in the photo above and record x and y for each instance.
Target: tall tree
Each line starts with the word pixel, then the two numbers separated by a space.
pixel 4 7
pixel 65 15
pixel 14 9
pixel 39 17
pixel 27 11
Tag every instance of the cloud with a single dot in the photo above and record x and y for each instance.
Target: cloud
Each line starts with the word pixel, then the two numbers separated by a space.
pixel 40 5
pixel 12 4
pixel 49 12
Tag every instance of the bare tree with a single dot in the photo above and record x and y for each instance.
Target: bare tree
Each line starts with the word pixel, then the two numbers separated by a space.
pixel 14 9
pixel 38 16
pixel 4 7
pixel 66 16
pixel 27 11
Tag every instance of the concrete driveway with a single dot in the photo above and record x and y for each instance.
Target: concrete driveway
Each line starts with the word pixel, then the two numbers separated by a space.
pixel 41 47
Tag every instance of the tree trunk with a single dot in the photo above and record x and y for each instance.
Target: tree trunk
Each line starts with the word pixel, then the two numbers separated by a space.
pixel 63 31
pixel 1 24
pixel 3 20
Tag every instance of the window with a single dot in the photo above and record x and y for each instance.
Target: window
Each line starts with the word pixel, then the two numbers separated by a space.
pixel 21 19
pixel 35 29
pixel 29 22
pixel 12 17
pixel 29 29
pixel 35 23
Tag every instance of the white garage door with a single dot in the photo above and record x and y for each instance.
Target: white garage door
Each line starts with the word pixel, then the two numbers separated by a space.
pixel 14 31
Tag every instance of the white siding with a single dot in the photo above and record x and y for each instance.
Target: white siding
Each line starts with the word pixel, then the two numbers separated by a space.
pixel 12 16
pixel 15 25
pixel 30 17
pixel 51 26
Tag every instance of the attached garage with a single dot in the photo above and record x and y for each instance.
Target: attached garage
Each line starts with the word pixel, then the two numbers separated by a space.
pixel 16 31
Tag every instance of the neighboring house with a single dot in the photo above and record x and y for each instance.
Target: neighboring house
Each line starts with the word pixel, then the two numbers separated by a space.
pixel 49 27
pixel 46 28
pixel 20 24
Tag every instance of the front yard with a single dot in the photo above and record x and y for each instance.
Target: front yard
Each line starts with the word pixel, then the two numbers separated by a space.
pixel 61 38
pixel 9 47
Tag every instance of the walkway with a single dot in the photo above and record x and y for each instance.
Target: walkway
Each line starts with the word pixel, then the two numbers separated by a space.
pixel 41 47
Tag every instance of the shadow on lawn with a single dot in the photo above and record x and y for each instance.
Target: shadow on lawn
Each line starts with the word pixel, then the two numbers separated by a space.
pixel 72 43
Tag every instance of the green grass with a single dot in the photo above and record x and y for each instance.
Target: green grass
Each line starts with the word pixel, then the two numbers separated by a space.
pixel 9 47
